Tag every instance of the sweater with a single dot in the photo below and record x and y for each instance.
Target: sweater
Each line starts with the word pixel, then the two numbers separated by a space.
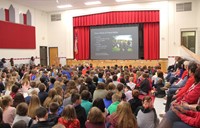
pixel 81 115
pixel 86 105
pixel 27 120
pixel 113 107
pixel 192 95
pixel 191 118
pixel 69 124
pixel 146 119
pixel 188 84
pixel 9 115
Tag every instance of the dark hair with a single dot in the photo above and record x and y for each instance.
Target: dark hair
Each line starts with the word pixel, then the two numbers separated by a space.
pixel 53 107
pixel 19 98
pixel 192 67
pixel 85 95
pixel 115 78
pixel 109 95
pixel 41 87
pixel 99 104
pixel 197 75
pixel 15 88
pixel 95 79
pixel 160 75
pixel 147 98
pixel 120 87
pixel 52 80
pixel 22 109
pixel 123 96
pixel 19 124
pixel 100 74
pixel 123 81
pixel 145 75
pixel 3 60
pixel 109 80
pixel 101 86
pixel 135 93
pixel 75 97
pixel 41 112
pixel 88 80
pixel 32 58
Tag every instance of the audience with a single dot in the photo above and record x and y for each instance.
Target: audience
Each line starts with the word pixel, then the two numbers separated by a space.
pixel 8 110
pixel 40 95
pixel 21 114
pixel 2 124
pixel 42 119
pixel 69 118
pixel 80 111
pixel 122 118
pixel 146 115
pixel 95 119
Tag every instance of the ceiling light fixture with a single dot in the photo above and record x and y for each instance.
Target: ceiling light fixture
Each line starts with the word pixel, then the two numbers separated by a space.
pixel 123 0
pixel 64 6
pixel 57 1
pixel 92 3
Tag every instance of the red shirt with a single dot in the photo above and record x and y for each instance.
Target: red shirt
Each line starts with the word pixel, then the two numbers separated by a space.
pixel 184 89
pixel 192 95
pixel 69 124
pixel 191 118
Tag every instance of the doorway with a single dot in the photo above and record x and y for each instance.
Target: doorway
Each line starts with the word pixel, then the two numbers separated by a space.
pixel 43 55
pixel 53 56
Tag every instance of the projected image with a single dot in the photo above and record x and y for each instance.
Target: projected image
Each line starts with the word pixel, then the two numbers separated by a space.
pixel 122 43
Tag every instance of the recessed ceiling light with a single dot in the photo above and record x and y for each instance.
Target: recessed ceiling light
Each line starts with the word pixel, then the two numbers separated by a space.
pixel 123 0
pixel 64 6
pixel 92 3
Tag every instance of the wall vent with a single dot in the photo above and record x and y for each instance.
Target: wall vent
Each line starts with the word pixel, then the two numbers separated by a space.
pixel 180 7
pixel 55 17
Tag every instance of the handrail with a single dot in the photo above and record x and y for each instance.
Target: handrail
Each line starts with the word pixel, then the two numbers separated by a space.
pixel 193 55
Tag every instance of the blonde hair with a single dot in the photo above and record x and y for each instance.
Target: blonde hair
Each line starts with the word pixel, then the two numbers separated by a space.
pixel 69 113
pixel 125 117
pixel 58 99
pixel 33 105
pixel 96 116
pixel 52 93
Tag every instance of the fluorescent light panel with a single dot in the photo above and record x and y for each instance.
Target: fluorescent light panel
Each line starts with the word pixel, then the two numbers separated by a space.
pixel 64 6
pixel 123 0
pixel 92 3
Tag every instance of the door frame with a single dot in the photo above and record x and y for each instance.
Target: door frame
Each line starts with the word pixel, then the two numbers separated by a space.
pixel 49 53
pixel 46 54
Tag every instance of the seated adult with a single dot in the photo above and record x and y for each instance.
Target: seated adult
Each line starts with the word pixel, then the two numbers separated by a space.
pixel 191 97
pixel 191 69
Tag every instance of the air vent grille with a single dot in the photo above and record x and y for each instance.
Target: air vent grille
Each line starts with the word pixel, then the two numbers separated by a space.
pixel 180 7
pixel 55 17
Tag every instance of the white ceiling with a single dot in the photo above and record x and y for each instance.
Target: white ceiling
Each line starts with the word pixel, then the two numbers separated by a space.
pixel 51 5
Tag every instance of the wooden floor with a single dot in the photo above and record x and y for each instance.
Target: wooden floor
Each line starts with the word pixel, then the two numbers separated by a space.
pixel 164 63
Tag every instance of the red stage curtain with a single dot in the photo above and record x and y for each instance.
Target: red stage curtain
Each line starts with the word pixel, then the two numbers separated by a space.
pixel 25 19
pixel 151 41
pixel 82 43
pixel 118 17
pixel 81 26
pixel 7 15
